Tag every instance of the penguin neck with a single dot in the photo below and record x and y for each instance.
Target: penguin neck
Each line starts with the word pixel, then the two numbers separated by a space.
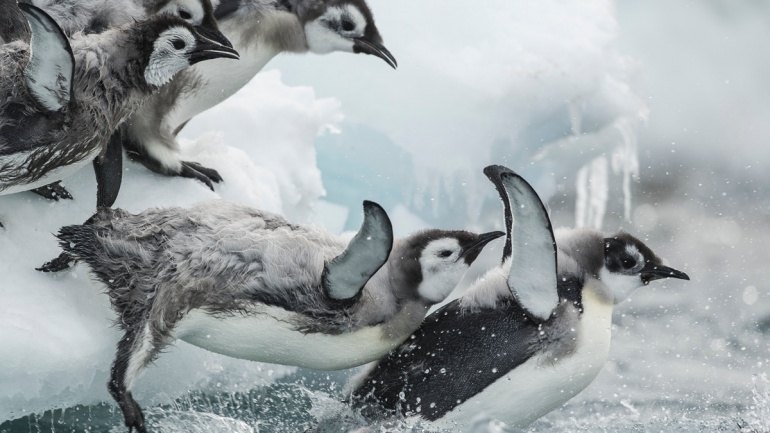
pixel 106 75
pixel 266 26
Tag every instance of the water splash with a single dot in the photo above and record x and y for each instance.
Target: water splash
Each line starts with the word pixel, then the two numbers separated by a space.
pixel 757 418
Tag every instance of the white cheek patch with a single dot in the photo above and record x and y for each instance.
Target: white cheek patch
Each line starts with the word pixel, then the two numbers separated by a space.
pixel 165 60
pixel 633 252
pixel 621 286
pixel 440 275
pixel 323 40
pixel 436 287
pixel 358 19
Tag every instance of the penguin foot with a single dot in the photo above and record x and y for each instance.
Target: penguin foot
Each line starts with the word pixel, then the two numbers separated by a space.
pixel 133 416
pixel 53 191
pixel 63 262
pixel 204 174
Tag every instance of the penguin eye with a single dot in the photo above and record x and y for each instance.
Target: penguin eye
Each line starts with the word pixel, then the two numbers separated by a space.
pixel 178 44
pixel 183 14
pixel 444 253
pixel 348 25
pixel 628 263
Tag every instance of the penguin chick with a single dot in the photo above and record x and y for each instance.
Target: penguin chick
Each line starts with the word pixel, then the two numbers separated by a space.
pixel 96 16
pixel 260 30
pixel 249 284
pixel 62 103
pixel 526 337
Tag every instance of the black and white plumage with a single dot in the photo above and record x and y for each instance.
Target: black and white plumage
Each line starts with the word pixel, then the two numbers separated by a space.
pixel 526 337
pixel 62 103
pixel 259 30
pixel 249 284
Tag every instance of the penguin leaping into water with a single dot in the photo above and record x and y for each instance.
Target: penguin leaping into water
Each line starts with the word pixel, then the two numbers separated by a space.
pixel 250 284
pixel 526 337
pixel 62 102
pixel 259 30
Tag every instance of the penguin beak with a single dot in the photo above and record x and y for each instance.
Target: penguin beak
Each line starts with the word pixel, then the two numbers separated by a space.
pixel 211 45
pixel 651 272
pixel 367 46
pixel 472 251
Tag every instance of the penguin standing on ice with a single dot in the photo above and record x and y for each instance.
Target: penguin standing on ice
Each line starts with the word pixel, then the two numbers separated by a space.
pixel 260 30
pixel 95 16
pixel 249 284
pixel 526 337
pixel 62 103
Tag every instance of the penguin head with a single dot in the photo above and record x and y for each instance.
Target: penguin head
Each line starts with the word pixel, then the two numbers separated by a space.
pixel 197 13
pixel 341 25
pixel 630 264
pixel 169 45
pixel 429 264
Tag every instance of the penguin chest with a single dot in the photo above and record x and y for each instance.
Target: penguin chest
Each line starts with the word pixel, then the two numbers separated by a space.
pixel 545 381
pixel 211 82
pixel 269 335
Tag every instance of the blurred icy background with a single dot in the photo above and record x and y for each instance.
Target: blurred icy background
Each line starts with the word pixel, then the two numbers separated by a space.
pixel 651 116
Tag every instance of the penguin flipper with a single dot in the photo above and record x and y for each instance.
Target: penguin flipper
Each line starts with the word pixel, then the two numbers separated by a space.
pixel 345 276
pixel 108 169
pixel 532 278
pixel 49 72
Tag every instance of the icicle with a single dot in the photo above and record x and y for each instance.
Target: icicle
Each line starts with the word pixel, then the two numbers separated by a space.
pixel 625 160
pixel 592 193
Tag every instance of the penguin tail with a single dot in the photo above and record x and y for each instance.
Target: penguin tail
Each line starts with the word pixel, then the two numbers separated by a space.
pixel 79 241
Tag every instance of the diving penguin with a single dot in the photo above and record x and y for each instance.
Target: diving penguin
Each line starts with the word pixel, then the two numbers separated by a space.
pixel 260 30
pixel 525 338
pixel 62 103
pixel 249 284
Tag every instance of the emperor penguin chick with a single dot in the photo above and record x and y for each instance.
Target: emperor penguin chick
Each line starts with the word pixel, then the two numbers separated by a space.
pixel 250 284
pixel 96 16
pixel 525 338
pixel 62 103
pixel 259 30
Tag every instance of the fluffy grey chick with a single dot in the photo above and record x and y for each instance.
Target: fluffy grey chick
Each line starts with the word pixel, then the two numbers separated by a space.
pixel 260 30
pixel 249 284
pixel 96 16
pixel 61 104
pixel 526 337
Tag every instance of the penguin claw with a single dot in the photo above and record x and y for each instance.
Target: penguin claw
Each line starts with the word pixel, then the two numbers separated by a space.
pixel 204 174
pixel 63 262
pixel 53 191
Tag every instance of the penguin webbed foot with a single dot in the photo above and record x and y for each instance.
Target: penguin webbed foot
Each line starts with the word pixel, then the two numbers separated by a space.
pixel 132 414
pixel 53 191
pixel 206 175
pixel 61 263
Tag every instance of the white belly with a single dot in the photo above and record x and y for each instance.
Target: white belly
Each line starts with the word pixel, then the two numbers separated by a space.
pixel 269 337
pixel 222 78
pixel 538 386
pixel 50 177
